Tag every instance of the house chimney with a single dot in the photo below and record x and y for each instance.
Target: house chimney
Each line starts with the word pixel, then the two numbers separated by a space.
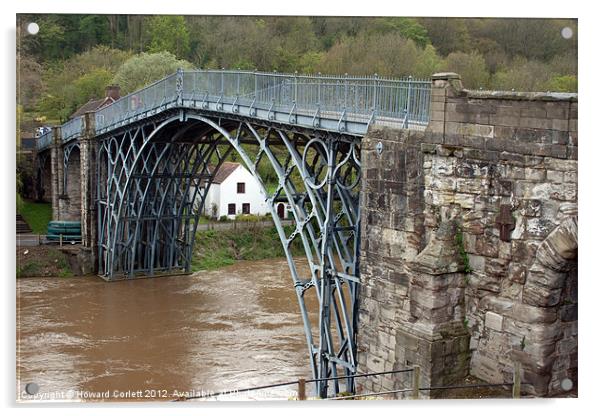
pixel 113 92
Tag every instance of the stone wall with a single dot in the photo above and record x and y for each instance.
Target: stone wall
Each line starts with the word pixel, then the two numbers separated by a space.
pixel 469 248
pixel 70 198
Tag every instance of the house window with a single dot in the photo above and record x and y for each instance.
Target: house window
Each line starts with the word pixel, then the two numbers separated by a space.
pixel 246 208
pixel 231 209
pixel 240 188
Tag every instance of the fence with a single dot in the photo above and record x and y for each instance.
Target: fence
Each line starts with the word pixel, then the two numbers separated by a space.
pixel 414 390
pixel 363 99
pixel 32 240
pixel 72 128
pixel 402 102
pixel 45 140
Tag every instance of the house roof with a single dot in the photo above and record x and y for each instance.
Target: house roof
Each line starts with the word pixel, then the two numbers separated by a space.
pixel 93 105
pixel 224 171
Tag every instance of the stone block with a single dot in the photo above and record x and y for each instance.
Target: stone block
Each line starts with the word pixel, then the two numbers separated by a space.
pixel 536 123
pixel 477 263
pixel 560 164
pixel 557 110
pixel 466 201
pixel 555 176
pixel 517 273
pixel 536 110
pixel 535 174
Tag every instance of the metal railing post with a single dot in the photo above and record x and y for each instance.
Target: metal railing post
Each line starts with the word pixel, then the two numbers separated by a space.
pixel 221 93
pixel 255 75
pixel 296 85
pixel 408 99
pixel 346 90
pixel 374 93
pixel 319 87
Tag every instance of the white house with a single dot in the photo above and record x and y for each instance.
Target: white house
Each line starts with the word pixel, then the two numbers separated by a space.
pixel 234 191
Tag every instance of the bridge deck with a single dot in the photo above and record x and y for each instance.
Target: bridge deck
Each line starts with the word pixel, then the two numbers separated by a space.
pixel 330 103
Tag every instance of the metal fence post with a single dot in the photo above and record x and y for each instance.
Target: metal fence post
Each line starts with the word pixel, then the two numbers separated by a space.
pixel 516 381
pixel 319 87
pixel 222 83
pixel 301 389
pixel 61 240
pixel 346 90
pixel 296 84
pixel 416 383
pixel 255 75
pixel 374 93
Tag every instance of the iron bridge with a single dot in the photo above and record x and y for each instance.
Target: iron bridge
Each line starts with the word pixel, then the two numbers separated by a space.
pixel 157 151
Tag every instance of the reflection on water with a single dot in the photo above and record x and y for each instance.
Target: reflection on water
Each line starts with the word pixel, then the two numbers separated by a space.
pixel 83 338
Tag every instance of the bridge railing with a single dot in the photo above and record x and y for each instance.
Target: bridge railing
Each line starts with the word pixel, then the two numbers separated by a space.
pixel 147 101
pixel 368 99
pixel 45 140
pixel 400 102
pixel 72 128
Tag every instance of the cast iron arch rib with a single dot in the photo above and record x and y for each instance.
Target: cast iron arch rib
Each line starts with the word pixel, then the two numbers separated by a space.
pixel 153 181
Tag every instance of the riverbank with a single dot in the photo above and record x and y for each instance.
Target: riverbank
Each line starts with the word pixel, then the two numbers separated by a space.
pixel 46 261
pixel 213 249
pixel 219 248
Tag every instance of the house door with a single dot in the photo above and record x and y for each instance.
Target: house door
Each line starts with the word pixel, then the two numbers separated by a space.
pixel 281 211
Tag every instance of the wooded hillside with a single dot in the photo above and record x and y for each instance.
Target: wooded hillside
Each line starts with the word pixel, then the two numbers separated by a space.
pixel 73 57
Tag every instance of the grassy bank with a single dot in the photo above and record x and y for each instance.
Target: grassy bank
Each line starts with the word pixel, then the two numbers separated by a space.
pixel 43 261
pixel 37 215
pixel 215 249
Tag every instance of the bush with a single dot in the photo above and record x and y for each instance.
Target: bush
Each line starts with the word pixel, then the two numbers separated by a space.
pixel 146 68
pixel 563 83
pixel 470 66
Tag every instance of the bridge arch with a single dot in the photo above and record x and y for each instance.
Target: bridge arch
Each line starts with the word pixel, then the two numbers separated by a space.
pixel 157 176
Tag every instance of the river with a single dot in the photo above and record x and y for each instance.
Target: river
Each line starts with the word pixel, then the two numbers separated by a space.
pixel 83 339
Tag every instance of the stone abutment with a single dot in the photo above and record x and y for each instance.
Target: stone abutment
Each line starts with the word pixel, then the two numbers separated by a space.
pixel 469 242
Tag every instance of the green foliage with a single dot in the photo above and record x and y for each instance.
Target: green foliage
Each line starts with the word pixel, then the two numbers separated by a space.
pixel 169 34
pixel 462 251
pixel 471 67
pixel 407 27
pixel 72 83
pixel 66 63
pixel 428 62
pixel 146 68
pixel 563 83
pixel 29 268
pixel 36 214
pixel 523 344
pixel 215 249
pixel 388 55
pixel 92 85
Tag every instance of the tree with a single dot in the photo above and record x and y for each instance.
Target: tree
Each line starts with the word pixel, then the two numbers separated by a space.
pixel 524 75
pixel 447 34
pixel 75 81
pixel 406 27
pixel 170 34
pixel 563 83
pixel 92 84
pixel 428 63
pixel 387 55
pixel 145 68
pixel 29 81
pixel 470 66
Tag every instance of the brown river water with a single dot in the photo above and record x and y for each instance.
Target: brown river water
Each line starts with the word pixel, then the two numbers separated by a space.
pixel 83 339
